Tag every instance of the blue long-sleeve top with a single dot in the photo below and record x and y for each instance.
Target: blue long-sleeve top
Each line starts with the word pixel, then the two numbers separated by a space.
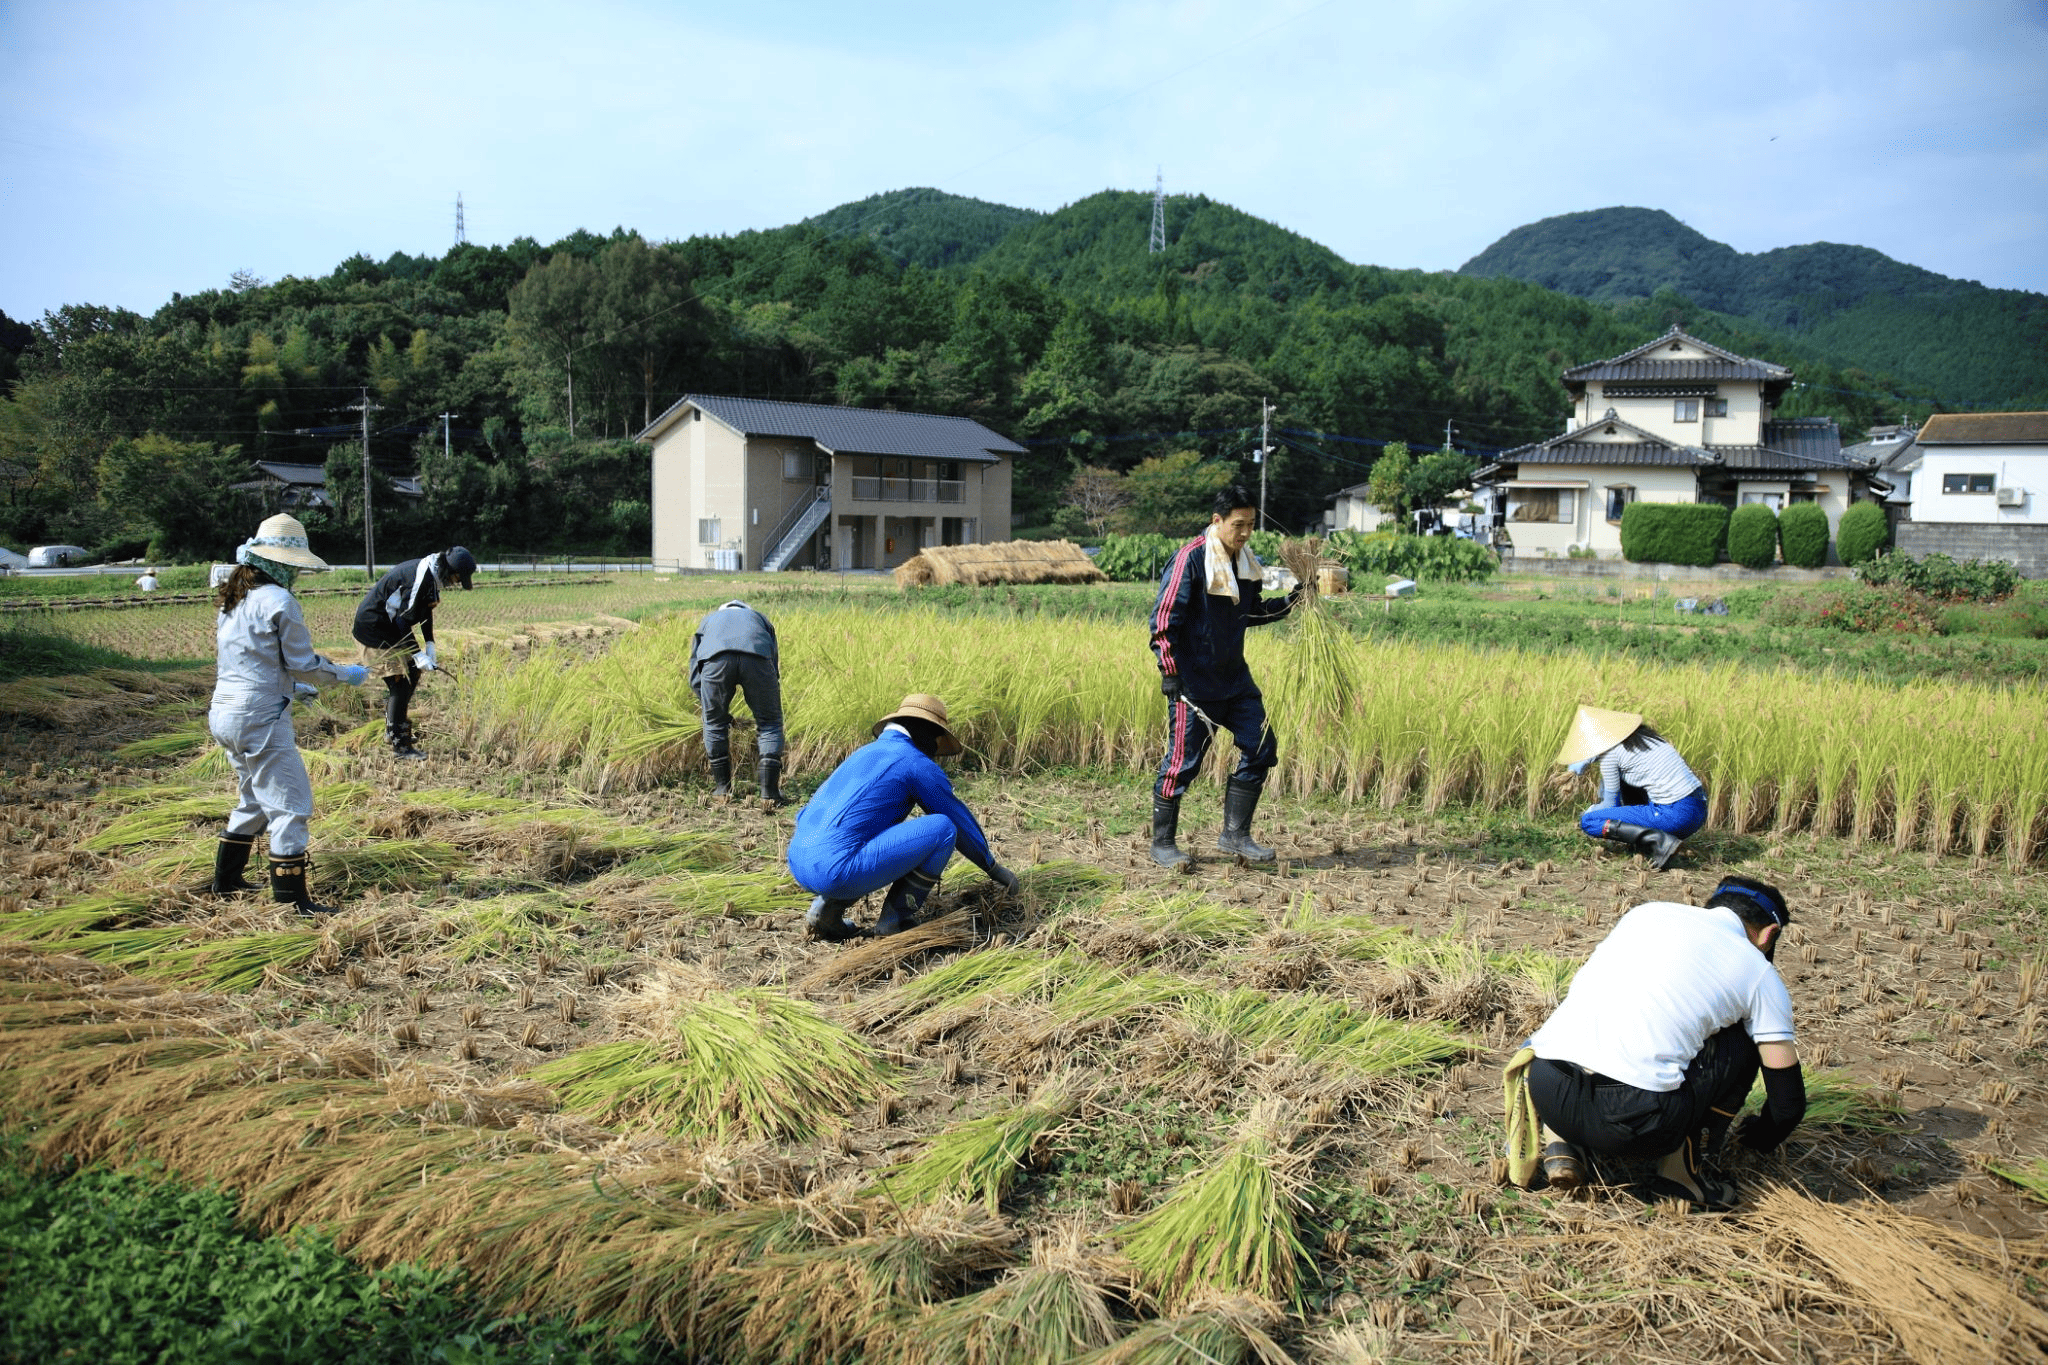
pixel 873 789
pixel 1198 635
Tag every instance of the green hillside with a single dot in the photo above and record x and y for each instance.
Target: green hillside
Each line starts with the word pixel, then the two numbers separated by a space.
pixel 1976 347
pixel 925 227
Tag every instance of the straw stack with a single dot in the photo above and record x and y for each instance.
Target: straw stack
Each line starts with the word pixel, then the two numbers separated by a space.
pixel 1012 561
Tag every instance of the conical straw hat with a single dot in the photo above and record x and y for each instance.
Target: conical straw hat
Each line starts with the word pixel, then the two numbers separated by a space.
pixel 1594 732
pixel 925 706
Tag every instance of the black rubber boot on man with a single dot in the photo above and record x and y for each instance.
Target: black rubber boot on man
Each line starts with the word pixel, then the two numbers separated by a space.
pixel 230 856
pixel 826 919
pixel 769 773
pixel 1240 802
pixel 1653 844
pixel 288 885
pixel 1165 829
pixel 721 775
pixel 905 899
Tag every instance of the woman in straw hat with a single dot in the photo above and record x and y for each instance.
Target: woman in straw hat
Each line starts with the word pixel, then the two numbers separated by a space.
pixel 1631 754
pixel 853 837
pixel 262 648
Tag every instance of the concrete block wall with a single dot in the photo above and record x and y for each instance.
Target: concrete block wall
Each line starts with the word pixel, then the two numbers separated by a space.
pixel 2024 547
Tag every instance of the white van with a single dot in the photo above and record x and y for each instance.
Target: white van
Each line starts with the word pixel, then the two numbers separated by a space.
pixel 57 556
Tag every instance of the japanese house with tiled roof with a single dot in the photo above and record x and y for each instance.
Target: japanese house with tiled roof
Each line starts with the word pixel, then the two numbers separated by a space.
pixel 749 483
pixel 1677 420
pixel 1976 486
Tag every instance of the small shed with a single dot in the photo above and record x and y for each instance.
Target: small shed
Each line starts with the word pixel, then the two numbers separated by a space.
pixel 1010 561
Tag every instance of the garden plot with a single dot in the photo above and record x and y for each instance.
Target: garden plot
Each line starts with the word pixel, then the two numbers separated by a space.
pixel 577 1043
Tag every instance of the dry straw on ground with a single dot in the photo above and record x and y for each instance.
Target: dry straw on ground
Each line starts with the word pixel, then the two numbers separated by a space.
pixel 1011 561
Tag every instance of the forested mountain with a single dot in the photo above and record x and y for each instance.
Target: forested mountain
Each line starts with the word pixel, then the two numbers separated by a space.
pixel 511 378
pixel 925 227
pixel 1974 346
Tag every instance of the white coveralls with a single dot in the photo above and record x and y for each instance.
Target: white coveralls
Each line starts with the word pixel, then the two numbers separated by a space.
pixel 262 646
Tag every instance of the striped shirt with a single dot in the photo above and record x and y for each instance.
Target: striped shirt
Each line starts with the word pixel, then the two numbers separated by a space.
pixel 1658 770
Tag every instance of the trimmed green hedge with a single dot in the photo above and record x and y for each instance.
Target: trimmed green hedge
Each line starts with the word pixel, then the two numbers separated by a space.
pixel 1673 532
pixel 1753 536
pixel 1864 530
pixel 1803 534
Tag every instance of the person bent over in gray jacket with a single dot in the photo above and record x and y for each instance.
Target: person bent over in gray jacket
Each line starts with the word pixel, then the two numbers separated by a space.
pixel 735 651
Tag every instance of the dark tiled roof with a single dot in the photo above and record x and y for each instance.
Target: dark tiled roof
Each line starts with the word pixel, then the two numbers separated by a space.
pixel 1765 460
pixel 1984 428
pixel 309 474
pixel 1637 365
pixel 1815 437
pixel 1607 452
pixel 853 431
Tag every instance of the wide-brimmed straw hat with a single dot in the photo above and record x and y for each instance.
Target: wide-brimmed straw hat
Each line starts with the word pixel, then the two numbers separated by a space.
pixel 925 707
pixel 1594 732
pixel 283 539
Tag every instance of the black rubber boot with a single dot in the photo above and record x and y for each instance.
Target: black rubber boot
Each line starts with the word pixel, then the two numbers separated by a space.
pixel 769 772
pixel 1240 801
pixel 1165 827
pixel 721 776
pixel 288 885
pixel 1653 844
pixel 826 919
pixel 905 899
pixel 397 729
pixel 230 856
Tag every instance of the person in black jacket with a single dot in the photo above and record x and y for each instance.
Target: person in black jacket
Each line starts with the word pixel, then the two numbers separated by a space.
pixel 1207 596
pixel 396 615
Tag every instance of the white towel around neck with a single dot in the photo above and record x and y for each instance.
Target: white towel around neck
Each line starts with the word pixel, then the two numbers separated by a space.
pixel 1222 571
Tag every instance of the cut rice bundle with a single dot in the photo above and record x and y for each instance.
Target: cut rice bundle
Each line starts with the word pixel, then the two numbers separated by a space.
pixel 981 1158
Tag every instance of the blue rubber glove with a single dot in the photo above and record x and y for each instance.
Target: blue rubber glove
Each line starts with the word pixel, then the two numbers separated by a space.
pixel 355 675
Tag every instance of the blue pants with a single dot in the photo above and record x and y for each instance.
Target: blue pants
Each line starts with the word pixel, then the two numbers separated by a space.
pixel 1682 817
pixel 924 844
pixel 1188 738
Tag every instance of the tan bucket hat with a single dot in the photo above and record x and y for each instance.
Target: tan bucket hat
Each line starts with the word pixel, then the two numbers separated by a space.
pixel 924 706
pixel 283 539
pixel 1594 732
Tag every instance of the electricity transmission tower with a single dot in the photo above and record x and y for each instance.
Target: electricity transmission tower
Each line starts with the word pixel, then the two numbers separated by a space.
pixel 1159 211
pixel 461 234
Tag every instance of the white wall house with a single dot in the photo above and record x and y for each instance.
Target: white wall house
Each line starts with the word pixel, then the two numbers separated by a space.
pixel 747 483
pixel 1351 509
pixel 1676 420
pixel 1979 489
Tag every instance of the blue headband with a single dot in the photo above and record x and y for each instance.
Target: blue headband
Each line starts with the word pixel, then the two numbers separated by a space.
pixel 1728 889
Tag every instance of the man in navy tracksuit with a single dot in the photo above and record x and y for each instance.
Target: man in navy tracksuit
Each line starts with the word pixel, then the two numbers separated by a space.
pixel 1207 596
pixel 853 837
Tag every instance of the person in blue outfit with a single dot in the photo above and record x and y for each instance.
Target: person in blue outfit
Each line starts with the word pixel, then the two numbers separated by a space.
pixel 1666 804
pixel 734 650
pixel 1208 594
pixel 396 614
pixel 853 837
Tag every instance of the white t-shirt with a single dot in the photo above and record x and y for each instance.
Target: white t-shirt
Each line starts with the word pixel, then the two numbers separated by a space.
pixel 1668 977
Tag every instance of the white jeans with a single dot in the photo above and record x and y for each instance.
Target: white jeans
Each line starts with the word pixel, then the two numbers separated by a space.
pixel 273 788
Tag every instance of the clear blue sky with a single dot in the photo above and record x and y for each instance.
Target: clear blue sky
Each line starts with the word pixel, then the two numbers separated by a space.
pixel 160 146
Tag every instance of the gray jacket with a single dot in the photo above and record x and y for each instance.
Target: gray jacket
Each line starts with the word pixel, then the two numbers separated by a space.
pixel 262 646
pixel 734 628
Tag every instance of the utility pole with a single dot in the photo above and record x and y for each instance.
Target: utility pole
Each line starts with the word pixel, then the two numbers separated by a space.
pixel 1266 411
pixel 369 531
pixel 1447 433
pixel 447 446
pixel 461 233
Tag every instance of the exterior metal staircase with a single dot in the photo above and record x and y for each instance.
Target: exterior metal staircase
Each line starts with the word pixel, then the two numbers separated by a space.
pixel 795 530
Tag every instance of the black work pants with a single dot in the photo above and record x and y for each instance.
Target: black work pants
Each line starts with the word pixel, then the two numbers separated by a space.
pixel 1614 1118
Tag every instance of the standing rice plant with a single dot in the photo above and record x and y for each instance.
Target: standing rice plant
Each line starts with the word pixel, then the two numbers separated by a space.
pixel 981 1158
pixel 726 1065
pixel 1230 1227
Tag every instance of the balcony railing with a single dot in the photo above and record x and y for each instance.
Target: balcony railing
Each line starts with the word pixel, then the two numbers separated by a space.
pixel 867 488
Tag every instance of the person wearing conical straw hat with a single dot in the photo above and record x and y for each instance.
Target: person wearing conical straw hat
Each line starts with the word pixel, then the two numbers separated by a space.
pixel 854 836
pixel 1631 754
pixel 1658 1041
pixel 1208 595
pixel 262 648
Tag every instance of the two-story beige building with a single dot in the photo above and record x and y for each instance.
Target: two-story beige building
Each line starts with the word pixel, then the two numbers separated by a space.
pixel 749 483
pixel 1677 420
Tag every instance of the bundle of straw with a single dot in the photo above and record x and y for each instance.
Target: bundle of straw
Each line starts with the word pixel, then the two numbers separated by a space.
pixel 1232 1329
pixel 1320 671
pixel 981 1157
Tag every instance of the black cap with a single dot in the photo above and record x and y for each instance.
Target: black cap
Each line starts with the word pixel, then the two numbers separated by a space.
pixel 460 564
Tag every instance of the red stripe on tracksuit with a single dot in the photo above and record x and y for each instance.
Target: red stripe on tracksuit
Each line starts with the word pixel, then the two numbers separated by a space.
pixel 1162 615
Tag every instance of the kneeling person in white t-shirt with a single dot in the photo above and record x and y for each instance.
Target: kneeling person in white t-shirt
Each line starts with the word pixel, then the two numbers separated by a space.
pixel 1662 1034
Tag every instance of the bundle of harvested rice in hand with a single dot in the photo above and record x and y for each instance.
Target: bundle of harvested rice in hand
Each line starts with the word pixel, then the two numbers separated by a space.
pixel 1321 668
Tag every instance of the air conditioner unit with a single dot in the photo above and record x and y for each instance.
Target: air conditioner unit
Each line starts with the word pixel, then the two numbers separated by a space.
pixel 2012 497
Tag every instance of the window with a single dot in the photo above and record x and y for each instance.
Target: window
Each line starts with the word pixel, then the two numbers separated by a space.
pixel 707 531
pixel 1717 407
pixel 795 468
pixel 1685 410
pixel 1618 498
pixel 1967 483
pixel 1774 501
pixel 1542 504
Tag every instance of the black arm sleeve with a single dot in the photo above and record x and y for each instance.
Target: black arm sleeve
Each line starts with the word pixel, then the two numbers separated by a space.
pixel 1784 1107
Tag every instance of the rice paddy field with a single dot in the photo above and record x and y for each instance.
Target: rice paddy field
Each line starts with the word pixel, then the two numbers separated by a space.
pixel 568 1038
